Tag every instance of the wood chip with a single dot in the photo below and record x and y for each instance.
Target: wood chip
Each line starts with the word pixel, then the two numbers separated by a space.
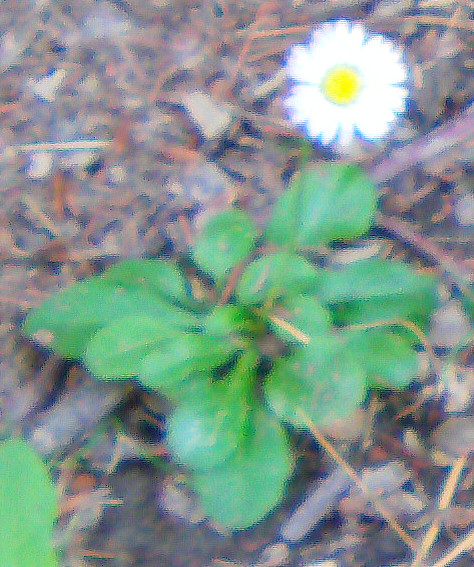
pixel 455 437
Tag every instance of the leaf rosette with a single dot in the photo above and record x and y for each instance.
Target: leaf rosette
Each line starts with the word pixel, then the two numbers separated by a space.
pixel 330 334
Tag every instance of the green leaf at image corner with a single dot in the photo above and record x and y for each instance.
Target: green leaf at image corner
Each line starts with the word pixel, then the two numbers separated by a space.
pixel 321 378
pixel 387 356
pixel 275 275
pixel 323 203
pixel 209 422
pixel 249 484
pixel 117 350
pixel 225 241
pixel 161 277
pixel 67 320
pixel 28 508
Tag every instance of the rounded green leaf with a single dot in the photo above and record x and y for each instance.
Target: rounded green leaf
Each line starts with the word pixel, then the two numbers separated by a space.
pixel 226 240
pixel 387 357
pixel 118 349
pixel 250 483
pixel 377 290
pixel 300 320
pixel 275 275
pixel 172 362
pixel 375 277
pixel 161 277
pixel 324 203
pixel 322 379
pixel 415 307
pixel 67 320
pixel 28 508
pixel 208 424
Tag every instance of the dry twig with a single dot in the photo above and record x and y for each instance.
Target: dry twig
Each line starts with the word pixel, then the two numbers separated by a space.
pixel 330 449
pixel 465 545
pixel 444 501
pixel 440 145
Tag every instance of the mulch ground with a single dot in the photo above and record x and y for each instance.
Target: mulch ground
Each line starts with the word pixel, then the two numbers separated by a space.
pixel 107 153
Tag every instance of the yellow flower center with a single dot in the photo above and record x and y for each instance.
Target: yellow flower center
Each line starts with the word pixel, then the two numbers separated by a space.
pixel 341 85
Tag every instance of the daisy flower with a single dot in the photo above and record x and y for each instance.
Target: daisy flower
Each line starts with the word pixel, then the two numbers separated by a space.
pixel 346 81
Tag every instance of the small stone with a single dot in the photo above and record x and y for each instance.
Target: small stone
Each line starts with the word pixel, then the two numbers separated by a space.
pixel 203 182
pixel 457 383
pixel 386 478
pixel 46 87
pixel 449 325
pixel 274 555
pixel 40 165
pixel 116 174
pixel 107 21
pixel 455 437
pixel 212 117
pixel 177 500
pixel 464 210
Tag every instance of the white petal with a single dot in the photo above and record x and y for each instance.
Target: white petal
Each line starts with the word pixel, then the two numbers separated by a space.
pixel 379 66
pixel 327 135
pixel 309 107
pixel 375 128
pixel 300 65
pixel 373 121
pixel 385 97
pixel 346 135
pixel 325 128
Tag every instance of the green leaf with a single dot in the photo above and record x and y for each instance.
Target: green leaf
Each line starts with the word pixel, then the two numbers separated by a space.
pixel 322 379
pixel 415 307
pixel 28 508
pixel 387 357
pixel 250 483
pixel 275 275
pixel 300 314
pixel 160 277
pixel 117 350
pixel 172 362
pixel 375 277
pixel 226 240
pixel 377 290
pixel 325 203
pixel 208 424
pixel 67 320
